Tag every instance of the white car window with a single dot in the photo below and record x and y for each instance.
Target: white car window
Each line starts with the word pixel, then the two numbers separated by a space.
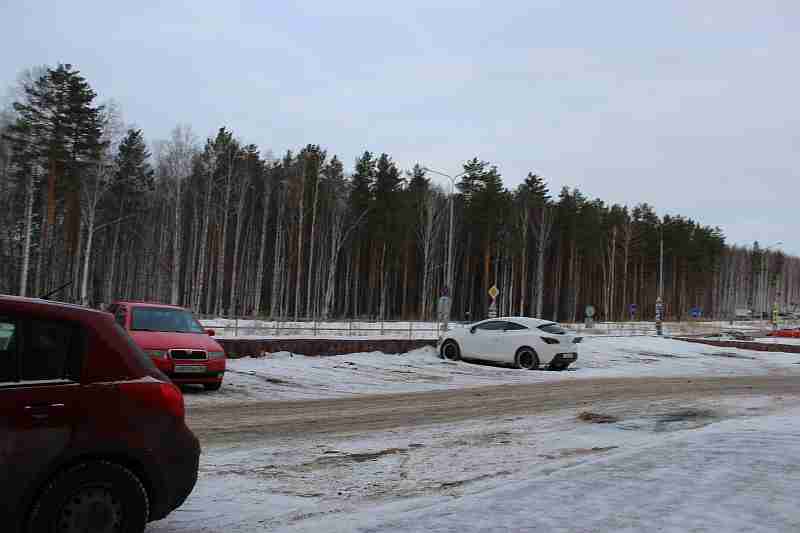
pixel 513 326
pixel 553 329
pixel 492 325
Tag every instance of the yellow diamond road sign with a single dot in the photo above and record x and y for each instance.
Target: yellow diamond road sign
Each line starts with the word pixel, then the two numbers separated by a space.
pixel 493 292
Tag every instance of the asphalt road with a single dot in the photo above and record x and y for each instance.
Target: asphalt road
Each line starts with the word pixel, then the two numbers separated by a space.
pixel 261 421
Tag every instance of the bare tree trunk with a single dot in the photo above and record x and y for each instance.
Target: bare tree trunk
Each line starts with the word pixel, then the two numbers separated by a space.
pixel 176 245
pixel 175 274
pixel 88 255
pixel 262 247
pixel 311 244
pixel 200 278
pixel 627 236
pixel 232 308
pixel 557 285
pixel 336 245
pixel 300 228
pixel 278 265
pixel 356 278
pixel 111 289
pixel 223 249
pixel 524 274
pixel 543 233
pixel 30 187
pixel 384 279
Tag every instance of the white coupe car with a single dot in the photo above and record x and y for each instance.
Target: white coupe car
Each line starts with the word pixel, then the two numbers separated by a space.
pixel 524 342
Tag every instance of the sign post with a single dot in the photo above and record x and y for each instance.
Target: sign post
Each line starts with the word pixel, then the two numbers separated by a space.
pixel 659 317
pixel 493 292
pixel 589 312
pixel 443 310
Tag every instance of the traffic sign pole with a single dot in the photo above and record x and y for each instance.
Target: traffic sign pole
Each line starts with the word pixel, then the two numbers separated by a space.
pixel 659 317
pixel 493 292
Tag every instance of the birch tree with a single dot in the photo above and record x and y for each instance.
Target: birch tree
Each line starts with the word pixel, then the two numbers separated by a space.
pixel 179 152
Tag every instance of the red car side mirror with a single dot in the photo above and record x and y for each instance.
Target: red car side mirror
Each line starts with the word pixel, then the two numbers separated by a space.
pixel 210 332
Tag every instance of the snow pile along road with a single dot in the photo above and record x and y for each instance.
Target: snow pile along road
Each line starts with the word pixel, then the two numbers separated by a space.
pixel 284 376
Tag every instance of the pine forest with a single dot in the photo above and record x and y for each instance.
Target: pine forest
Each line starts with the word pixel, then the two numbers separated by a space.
pixel 223 227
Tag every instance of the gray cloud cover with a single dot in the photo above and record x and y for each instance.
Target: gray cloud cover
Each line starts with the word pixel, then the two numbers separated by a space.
pixel 690 106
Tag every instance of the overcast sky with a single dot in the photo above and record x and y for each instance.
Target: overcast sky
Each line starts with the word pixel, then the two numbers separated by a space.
pixel 691 106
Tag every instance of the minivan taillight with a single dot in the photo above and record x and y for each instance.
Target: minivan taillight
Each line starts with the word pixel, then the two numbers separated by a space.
pixel 156 395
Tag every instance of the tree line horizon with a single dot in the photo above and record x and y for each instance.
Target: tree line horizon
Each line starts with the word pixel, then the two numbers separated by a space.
pixel 225 228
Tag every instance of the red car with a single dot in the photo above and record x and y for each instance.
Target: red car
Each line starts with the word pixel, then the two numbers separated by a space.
pixel 789 333
pixel 176 342
pixel 92 434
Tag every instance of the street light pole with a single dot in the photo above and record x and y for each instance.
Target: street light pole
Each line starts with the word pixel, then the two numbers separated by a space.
pixel 450 243
pixel 765 278
pixel 661 267
pixel 452 179
pixel 660 298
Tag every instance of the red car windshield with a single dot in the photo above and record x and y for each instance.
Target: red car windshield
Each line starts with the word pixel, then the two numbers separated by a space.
pixel 163 319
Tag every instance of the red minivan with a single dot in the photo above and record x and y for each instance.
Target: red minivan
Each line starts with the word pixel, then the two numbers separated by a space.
pixel 175 341
pixel 93 436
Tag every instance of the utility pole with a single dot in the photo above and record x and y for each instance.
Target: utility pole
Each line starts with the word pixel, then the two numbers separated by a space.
pixel 661 268
pixel 452 179
pixel 660 299
pixel 765 280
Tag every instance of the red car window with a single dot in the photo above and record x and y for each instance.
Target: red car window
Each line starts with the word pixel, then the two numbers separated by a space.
pixel 164 319
pixel 8 352
pixel 51 351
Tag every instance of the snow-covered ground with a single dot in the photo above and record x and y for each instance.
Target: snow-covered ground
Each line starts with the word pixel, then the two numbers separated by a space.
pixel 734 475
pixel 661 466
pixel 283 376
pixel 678 464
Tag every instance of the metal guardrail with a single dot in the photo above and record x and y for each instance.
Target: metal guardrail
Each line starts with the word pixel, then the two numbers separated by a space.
pixel 426 330
pixel 236 327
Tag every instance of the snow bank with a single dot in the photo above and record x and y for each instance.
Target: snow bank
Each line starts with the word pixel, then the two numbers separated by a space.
pixel 286 377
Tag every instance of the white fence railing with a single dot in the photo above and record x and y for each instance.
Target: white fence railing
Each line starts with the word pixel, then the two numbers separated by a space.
pixel 426 330
pixel 238 327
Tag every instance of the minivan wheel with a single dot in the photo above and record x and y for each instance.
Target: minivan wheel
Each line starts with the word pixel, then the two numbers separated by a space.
pixel 527 359
pixel 212 386
pixel 99 497
pixel 451 351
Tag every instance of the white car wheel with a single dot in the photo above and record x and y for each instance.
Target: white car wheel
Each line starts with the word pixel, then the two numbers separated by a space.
pixel 527 359
pixel 451 351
